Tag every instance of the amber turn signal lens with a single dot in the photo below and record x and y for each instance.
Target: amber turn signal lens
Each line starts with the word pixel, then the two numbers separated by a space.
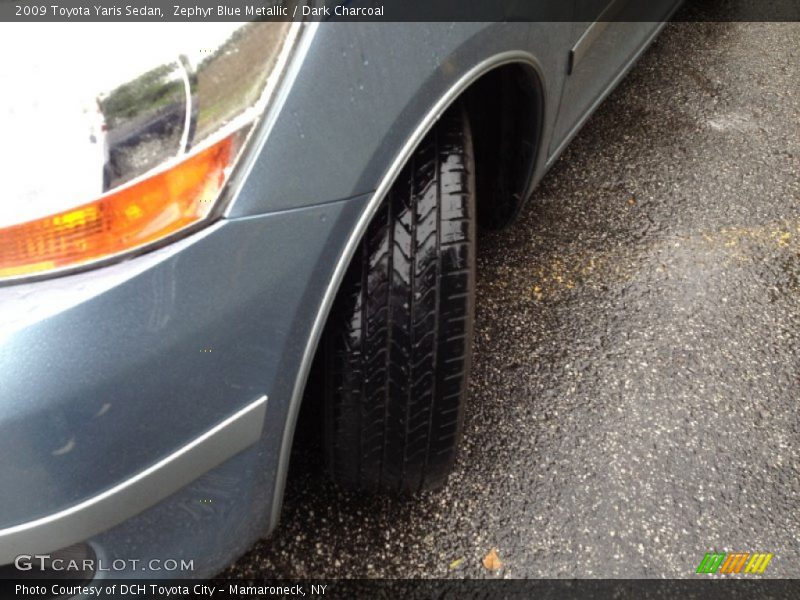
pixel 139 214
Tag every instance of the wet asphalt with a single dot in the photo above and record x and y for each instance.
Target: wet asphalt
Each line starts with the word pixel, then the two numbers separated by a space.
pixel 635 395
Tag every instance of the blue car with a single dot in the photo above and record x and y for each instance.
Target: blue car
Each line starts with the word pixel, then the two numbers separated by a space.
pixel 193 215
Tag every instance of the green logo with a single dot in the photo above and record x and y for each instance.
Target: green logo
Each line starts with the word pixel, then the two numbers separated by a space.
pixel 720 562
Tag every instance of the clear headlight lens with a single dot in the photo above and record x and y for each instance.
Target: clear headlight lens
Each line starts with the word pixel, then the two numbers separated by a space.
pixel 117 136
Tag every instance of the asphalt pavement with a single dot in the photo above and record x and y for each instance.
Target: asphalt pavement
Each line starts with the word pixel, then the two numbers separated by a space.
pixel 635 396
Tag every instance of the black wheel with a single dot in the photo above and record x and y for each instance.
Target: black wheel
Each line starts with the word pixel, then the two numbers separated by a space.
pixel 399 340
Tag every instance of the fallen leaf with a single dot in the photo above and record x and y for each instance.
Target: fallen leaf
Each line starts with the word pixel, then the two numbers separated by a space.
pixel 456 563
pixel 491 561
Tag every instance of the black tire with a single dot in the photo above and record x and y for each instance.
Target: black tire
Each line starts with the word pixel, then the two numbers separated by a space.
pixel 399 341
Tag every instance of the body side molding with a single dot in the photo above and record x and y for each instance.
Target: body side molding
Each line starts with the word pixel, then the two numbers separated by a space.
pixel 130 497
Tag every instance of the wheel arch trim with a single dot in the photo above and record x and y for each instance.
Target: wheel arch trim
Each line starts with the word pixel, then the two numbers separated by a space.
pixel 433 114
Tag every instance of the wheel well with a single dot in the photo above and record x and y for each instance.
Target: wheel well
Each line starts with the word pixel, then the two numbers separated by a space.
pixel 505 109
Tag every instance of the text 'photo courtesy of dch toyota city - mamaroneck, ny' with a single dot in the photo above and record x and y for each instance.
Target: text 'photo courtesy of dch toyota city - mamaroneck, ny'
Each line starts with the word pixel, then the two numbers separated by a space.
pixel 441 299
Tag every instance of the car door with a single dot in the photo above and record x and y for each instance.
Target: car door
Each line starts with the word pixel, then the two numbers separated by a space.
pixel 608 34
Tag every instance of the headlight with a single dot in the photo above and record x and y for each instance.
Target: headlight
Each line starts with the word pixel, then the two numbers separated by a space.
pixel 118 136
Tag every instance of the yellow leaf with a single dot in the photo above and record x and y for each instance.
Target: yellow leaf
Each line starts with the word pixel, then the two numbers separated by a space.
pixel 456 563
